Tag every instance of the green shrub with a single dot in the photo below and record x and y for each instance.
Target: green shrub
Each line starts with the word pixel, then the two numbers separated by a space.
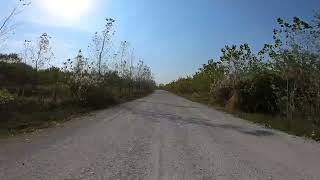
pixel 221 95
pixel 259 94
pixel 6 97
pixel 99 97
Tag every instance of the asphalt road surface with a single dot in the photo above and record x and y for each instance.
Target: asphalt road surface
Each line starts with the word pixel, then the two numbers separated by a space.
pixel 161 136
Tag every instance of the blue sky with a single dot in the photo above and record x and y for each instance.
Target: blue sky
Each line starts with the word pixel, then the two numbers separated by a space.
pixel 173 37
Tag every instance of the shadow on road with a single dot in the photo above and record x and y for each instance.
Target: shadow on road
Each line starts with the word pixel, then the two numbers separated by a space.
pixel 168 104
pixel 157 116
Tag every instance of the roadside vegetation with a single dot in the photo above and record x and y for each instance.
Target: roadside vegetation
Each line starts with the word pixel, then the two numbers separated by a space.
pixel 278 86
pixel 37 92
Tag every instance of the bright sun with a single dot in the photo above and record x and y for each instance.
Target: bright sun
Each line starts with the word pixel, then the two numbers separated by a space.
pixel 68 9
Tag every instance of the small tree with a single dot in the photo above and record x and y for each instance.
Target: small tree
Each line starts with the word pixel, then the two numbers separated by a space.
pixel 39 53
pixel 43 53
pixel 79 77
pixel 101 44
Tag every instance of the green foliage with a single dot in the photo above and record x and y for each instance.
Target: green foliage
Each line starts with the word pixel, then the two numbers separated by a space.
pixel 99 97
pixel 258 94
pixel 14 74
pixel 35 91
pixel 282 79
pixel 10 58
pixel 5 97
pixel 76 85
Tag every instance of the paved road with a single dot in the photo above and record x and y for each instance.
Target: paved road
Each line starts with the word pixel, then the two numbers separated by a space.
pixel 161 136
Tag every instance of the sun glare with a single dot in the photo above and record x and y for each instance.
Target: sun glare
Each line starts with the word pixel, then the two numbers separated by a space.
pixel 68 9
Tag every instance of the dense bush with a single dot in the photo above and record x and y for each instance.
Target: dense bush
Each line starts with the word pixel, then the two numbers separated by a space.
pixel 99 97
pixel 281 80
pixel 221 95
pixel 32 91
pixel 5 97
pixel 33 98
pixel 259 93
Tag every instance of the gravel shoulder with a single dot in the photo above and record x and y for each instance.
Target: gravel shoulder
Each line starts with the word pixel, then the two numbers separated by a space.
pixel 159 137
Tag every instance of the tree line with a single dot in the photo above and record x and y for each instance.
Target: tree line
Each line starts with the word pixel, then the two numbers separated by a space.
pixel 35 89
pixel 281 80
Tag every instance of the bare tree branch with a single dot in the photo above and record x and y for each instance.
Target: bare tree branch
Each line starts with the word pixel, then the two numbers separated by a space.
pixel 7 26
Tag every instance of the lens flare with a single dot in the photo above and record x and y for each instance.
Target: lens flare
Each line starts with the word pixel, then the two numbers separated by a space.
pixel 68 9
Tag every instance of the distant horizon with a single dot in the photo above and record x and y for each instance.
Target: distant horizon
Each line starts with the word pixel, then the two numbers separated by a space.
pixel 174 38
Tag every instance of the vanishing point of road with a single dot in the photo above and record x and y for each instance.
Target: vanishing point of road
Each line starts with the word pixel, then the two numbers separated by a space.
pixel 161 136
